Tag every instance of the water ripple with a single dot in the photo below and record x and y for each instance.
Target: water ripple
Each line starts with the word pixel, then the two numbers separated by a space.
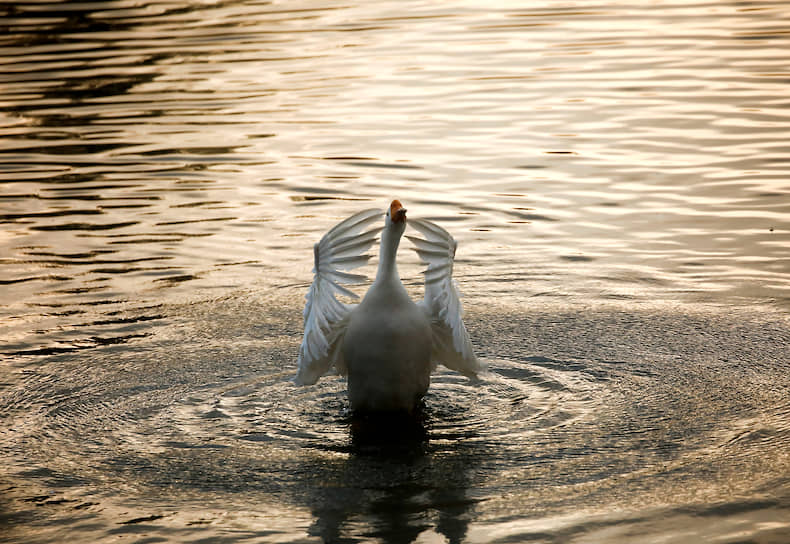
pixel 155 158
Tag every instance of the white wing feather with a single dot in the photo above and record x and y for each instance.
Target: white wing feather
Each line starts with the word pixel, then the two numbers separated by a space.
pixel 325 317
pixel 442 302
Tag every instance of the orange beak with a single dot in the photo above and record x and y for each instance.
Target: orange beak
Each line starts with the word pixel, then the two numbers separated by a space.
pixel 397 212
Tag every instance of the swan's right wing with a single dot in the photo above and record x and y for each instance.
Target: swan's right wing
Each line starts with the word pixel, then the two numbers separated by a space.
pixel 442 303
pixel 325 317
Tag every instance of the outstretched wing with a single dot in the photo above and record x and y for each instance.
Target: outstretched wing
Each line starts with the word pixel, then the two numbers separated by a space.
pixel 325 317
pixel 442 302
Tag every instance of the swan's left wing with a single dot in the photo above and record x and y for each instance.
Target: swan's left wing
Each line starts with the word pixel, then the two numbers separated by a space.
pixel 442 302
pixel 325 317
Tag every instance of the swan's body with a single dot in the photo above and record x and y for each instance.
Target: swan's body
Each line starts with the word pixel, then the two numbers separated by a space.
pixel 387 345
pixel 387 354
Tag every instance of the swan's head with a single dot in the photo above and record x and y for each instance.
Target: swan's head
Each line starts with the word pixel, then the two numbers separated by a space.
pixel 396 216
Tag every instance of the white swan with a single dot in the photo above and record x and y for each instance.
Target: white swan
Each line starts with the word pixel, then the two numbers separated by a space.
pixel 386 345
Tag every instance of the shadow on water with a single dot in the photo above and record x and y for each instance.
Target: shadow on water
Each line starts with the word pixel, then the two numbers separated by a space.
pixel 394 485
pixel 386 432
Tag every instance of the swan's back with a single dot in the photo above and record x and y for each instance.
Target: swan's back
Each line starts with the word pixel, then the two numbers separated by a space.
pixel 387 350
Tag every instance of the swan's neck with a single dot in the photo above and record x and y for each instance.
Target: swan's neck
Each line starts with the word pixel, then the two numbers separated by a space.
pixel 388 267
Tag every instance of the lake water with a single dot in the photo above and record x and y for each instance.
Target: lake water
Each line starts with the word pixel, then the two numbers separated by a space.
pixel 617 177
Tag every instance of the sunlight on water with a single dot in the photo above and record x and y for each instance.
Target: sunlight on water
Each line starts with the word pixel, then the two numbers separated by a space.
pixel 616 177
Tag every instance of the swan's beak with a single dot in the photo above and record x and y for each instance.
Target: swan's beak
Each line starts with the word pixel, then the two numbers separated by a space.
pixel 397 212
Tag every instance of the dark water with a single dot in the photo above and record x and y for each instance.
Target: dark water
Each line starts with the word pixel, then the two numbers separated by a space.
pixel 618 179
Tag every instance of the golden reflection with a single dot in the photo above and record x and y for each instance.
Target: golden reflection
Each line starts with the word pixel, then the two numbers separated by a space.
pixel 616 176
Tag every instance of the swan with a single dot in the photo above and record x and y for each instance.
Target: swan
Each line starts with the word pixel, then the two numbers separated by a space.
pixel 386 345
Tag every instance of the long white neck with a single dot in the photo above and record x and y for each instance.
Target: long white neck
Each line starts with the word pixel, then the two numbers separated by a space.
pixel 388 267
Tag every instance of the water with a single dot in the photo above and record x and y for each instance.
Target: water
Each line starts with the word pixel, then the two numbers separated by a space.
pixel 617 179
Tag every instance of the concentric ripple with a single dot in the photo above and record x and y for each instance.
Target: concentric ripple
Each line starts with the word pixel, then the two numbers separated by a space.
pixel 207 424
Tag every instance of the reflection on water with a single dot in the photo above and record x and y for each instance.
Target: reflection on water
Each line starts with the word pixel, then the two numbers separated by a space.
pixel 616 176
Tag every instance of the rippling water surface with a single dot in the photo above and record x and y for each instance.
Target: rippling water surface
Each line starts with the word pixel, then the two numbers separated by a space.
pixel 617 177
